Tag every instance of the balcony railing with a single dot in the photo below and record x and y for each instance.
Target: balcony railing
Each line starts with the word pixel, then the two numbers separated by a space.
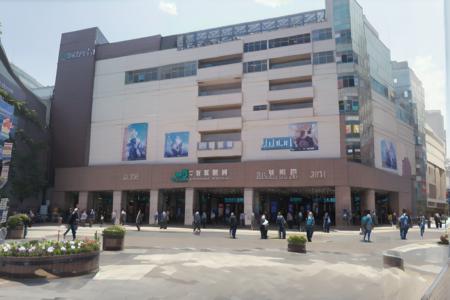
pixel 215 145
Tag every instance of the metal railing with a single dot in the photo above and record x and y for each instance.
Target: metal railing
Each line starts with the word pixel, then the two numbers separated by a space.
pixel 215 145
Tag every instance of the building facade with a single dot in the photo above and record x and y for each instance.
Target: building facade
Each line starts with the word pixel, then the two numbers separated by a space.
pixel 23 143
pixel 436 163
pixel 287 114
pixel 410 109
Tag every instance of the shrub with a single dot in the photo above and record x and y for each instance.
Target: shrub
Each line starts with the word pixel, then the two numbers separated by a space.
pixel 15 222
pixel 48 248
pixel 296 240
pixel 25 219
pixel 115 230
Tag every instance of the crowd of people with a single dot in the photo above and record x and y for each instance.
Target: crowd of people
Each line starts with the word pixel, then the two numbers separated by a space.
pixel 306 223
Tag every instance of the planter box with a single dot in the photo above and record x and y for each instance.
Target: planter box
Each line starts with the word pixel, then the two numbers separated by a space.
pixel 113 243
pixel 15 234
pixel 297 248
pixel 61 266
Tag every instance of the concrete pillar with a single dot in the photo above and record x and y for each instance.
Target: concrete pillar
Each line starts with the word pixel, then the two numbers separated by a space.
pixel 188 206
pixel 368 200
pixel 343 201
pixel 117 204
pixel 248 205
pixel 82 201
pixel 154 198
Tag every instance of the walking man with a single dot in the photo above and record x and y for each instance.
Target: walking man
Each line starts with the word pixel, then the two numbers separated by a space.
pixel 310 226
pixel 366 226
pixel 422 222
pixel 197 223
pixel 123 217
pixel 139 218
pixel 326 223
pixel 73 222
pixel 163 221
pixel 404 224
pixel 281 222
pixel 242 218
pixel 233 225
pixel 263 227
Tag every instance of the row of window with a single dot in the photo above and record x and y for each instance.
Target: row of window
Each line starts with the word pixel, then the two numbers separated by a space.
pixel 317 35
pixel 379 88
pixel 296 104
pixel 347 81
pixel 161 73
pixel 261 65
pixel 348 106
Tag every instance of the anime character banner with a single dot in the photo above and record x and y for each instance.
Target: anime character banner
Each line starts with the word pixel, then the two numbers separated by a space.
pixel 177 144
pixel 304 136
pixel 135 142
pixel 388 155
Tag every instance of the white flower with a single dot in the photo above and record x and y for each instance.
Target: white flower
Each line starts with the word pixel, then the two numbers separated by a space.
pixel 72 247
pixel 72 242
pixel 31 249
pixel 50 249
pixel 22 249
pixel 63 249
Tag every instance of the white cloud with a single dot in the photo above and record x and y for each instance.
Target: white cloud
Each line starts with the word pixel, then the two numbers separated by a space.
pixel 433 80
pixel 272 3
pixel 168 7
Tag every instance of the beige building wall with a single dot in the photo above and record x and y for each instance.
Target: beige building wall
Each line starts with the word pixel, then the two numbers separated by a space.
pixel 436 175
pixel 171 105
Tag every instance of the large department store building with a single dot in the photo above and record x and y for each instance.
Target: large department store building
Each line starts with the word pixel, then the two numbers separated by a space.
pixel 288 114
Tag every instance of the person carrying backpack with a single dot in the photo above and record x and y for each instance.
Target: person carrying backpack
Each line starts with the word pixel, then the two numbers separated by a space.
pixel 281 222
pixel 366 226
pixel 404 222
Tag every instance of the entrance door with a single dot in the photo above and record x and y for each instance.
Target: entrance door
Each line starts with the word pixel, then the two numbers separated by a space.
pixel 137 201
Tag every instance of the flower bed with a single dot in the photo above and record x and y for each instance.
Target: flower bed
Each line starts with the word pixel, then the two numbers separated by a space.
pixel 56 258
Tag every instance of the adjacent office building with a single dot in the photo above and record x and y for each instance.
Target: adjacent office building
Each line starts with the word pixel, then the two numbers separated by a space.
pixel 287 114
pixel 410 109
pixel 436 169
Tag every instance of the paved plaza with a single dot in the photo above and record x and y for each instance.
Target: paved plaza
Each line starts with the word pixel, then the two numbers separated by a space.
pixel 175 264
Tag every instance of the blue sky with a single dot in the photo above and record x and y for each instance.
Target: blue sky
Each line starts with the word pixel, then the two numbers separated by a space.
pixel 412 29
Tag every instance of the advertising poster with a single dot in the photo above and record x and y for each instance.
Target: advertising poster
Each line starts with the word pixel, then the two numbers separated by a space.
pixel 135 142
pixel 7 125
pixel 177 144
pixel 388 155
pixel 304 136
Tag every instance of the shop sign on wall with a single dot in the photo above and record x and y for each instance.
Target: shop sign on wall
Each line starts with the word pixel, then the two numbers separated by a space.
pixel 186 175
pixel 130 177
pixel 277 174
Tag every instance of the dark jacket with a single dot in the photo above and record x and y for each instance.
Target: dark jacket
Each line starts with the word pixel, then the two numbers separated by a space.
pixel 233 221
pixel 281 222
pixel 73 220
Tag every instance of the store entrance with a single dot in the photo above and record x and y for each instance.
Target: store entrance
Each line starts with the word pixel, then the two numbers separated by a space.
pixel 382 207
pixel 102 205
pixel 135 201
pixel 294 201
pixel 219 203
pixel 172 202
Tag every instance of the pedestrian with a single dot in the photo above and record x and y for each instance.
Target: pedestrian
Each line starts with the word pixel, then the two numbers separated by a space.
pixel 422 222
pixel 233 225
pixel 197 223
pixel 310 226
pixel 91 217
pixel 204 218
pixel 83 218
pixel 436 220
pixel 390 219
pixel 264 227
pixel 139 218
pixel 156 217
pixel 113 217
pixel 163 221
pixel 213 216
pixel 281 222
pixel 374 218
pixel 242 218
pixel 123 217
pixel 252 221
pixel 326 222
pixel 300 220
pixel 31 216
pixel 290 220
pixel 26 224
pixel 73 222
pixel 366 226
pixel 404 223
pixel 167 218
pixel 102 219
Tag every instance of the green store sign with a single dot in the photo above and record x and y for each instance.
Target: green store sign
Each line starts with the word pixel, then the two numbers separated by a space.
pixel 181 176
